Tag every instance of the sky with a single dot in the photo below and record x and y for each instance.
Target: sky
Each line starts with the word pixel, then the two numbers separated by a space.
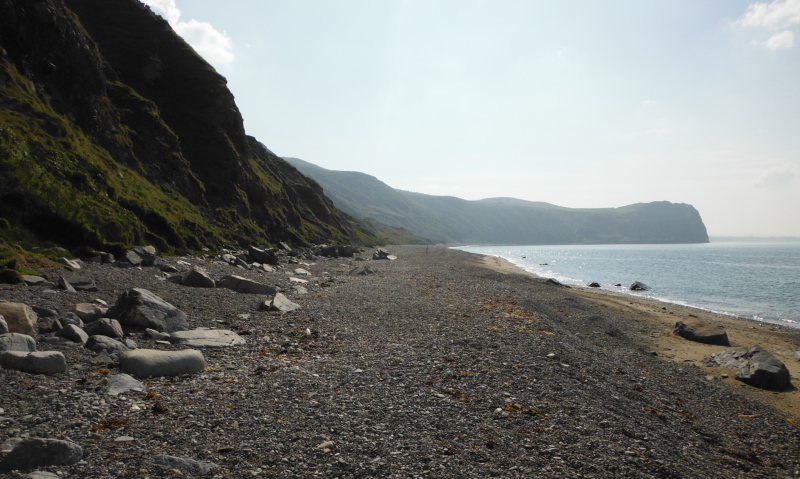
pixel 578 103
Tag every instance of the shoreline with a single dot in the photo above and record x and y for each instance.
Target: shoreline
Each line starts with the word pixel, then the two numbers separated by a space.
pixel 656 319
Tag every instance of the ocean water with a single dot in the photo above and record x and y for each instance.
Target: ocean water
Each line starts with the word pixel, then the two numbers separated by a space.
pixel 758 281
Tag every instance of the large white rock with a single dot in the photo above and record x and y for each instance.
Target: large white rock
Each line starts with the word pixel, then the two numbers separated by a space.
pixel 145 363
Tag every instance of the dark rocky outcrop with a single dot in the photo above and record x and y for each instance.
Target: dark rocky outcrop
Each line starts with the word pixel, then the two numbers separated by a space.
pixel 139 308
pixel 132 138
pixel 756 367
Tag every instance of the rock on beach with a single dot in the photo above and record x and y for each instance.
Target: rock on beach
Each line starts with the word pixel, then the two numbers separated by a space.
pixel 145 363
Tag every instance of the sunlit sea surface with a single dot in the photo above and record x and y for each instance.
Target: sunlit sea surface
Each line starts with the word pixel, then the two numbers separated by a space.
pixel 759 281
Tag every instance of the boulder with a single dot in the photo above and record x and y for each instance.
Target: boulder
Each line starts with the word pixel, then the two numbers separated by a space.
pixel 20 318
pixel 637 286
pixel 594 285
pixel 48 325
pixel 64 284
pixel 17 342
pixel 131 258
pixel 70 263
pixel 197 277
pixel 756 367
pixel 117 384
pixel 44 312
pixel 702 332
pixel 381 254
pixel 346 251
pixel 327 251
pixel 3 325
pixel 39 362
pixel 33 453
pixel 145 363
pixel 73 333
pixel 82 283
pixel 100 344
pixel 206 338
pixel 147 255
pixel 105 327
pixel 88 312
pixel 244 285
pixel 33 280
pixel 279 303
pixel 70 318
pixel 262 256
pixel 139 308
pixel 361 270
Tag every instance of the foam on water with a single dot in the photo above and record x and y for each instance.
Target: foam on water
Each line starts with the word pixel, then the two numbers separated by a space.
pixel 749 280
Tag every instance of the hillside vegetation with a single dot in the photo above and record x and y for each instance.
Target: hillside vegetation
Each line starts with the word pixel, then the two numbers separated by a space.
pixel 505 220
pixel 114 132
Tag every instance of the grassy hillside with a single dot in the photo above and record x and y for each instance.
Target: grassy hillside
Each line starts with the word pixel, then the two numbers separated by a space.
pixel 506 220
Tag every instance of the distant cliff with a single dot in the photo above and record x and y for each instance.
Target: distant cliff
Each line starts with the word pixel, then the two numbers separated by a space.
pixel 114 131
pixel 505 220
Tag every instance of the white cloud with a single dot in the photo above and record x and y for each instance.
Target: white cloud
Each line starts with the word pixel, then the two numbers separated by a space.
pixel 784 39
pixel 779 16
pixel 776 177
pixel 213 45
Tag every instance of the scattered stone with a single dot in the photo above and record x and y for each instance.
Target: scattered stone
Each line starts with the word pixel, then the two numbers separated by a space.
pixel 40 362
pixel 88 312
pixel 124 439
pixel 117 384
pixel 140 308
pixel 279 303
pixel 259 255
pixel 168 268
pixel 32 280
pixel 32 453
pixel 244 285
pixel 207 338
pixel 147 255
pixel 361 270
pixel 81 283
pixel 381 254
pixel 48 325
pixel 43 475
pixel 131 258
pixel 197 277
pixel 105 327
pixel 594 285
pixel 70 318
pixel 65 285
pixel 44 312
pixel 298 280
pixel 20 318
pixel 637 286
pixel 73 333
pixel 110 346
pixel 157 335
pixel 145 363
pixel 702 332
pixel 756 366
pixel 70 263
pixel 17 342
pixel 187 466
pixel 297 289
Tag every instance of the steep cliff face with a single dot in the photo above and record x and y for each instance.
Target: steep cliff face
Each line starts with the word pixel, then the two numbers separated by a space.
pixel 113 130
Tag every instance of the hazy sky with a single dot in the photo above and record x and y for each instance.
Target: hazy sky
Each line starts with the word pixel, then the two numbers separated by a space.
pixel 577 103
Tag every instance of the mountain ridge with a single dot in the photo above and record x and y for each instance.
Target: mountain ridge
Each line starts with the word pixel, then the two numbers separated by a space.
pixel 505 220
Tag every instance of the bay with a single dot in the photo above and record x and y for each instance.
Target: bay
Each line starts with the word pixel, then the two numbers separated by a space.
pixel 757 281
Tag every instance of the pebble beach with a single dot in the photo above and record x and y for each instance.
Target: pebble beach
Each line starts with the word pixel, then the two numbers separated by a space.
pixel 439 364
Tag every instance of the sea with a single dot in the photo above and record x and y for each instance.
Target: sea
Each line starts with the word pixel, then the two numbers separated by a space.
pixel 759 281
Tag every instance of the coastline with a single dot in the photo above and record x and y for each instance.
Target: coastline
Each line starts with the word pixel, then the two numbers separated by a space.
pixel 654 321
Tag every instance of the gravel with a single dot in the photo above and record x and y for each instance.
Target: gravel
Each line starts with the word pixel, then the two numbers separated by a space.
pixel 430 367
